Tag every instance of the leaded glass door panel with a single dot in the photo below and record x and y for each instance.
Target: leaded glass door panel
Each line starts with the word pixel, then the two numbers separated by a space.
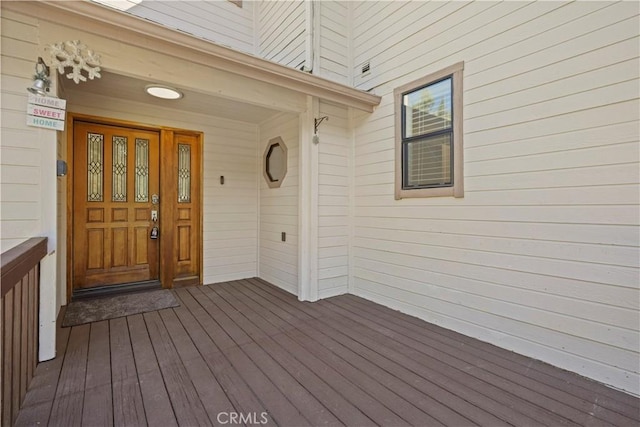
pixel 115 174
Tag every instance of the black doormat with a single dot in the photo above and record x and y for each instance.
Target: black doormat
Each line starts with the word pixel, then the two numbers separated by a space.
pixel 104 308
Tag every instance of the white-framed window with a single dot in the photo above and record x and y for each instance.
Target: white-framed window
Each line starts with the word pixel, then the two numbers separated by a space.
pixel 428 114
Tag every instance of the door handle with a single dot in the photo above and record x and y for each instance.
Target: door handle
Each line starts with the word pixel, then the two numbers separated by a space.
pixel 155 231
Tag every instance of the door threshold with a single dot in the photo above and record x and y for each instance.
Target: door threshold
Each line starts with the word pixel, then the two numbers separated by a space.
pixel 108 290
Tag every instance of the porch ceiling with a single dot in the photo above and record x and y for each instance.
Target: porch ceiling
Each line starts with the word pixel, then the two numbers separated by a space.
pixel 132 89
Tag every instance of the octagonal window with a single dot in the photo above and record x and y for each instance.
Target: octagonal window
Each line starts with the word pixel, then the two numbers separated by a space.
pixel 275 162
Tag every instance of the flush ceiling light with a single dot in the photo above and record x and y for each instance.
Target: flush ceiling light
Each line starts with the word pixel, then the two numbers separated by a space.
pixel 122 5
pixel 163 92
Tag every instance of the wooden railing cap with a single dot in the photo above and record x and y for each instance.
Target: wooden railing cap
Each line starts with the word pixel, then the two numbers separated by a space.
pixel 18 261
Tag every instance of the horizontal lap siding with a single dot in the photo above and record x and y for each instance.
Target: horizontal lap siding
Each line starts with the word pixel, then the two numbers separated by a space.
pixel 279 208
pixel 333 201
pixel 230 210
pixel 334 41
pixel 20 150
pixel 541 254
pixel 281 32
pixel 230 231
pixel 219 21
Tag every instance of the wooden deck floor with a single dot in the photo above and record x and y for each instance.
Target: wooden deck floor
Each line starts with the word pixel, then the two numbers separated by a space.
pixel 245 352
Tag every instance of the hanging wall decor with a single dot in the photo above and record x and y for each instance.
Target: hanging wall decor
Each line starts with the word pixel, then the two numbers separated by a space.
pixel 78 57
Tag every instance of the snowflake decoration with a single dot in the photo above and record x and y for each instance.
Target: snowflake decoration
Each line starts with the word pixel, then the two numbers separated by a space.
pixel 79 57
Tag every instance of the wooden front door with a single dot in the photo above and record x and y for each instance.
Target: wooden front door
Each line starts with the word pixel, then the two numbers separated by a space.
pixel 185 232
pixel 115 178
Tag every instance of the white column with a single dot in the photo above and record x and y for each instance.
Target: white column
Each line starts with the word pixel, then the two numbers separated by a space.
pixel 308 206
pixel 48 308
pixel 352 195
pixel 49 304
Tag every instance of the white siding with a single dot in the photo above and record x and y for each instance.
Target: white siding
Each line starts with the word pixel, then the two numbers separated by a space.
pixel 22 148
pixel 279 208
pixel 219 21
pixel 333 201
pixel 27 167
pixel 541 255
pixel 281 31
pixel 230 210
pixel 275 30
pixel 334 41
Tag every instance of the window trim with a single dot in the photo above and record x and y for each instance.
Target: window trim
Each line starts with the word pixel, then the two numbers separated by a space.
pixel 265 162
pixel 457 189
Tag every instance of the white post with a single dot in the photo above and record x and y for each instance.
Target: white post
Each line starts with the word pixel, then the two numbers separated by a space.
pixel 352 197
pixel 49 304
pixel 308 206
pixel 48 308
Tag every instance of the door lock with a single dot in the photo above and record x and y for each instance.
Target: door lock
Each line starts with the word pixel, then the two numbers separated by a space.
pixel 155 199
pixel 155 231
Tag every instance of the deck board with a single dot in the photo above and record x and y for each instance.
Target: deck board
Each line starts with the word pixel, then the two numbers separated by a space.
pixel 263 317
pixel 186 403
pixel 431 382
pixel 452 363
pixel 393 376
pixel 37 404
pixel 209 391
pixel 68 404
pixel 275 401
pixel 155 398
pixel 128 407
pixel 203 330
pixel 561 379
pixel 573 407
pixel 247 348
pixel 459 378
pixel 98 404
pixel 281 297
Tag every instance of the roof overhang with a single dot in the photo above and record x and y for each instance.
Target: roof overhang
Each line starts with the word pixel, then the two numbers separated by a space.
pixel 137 32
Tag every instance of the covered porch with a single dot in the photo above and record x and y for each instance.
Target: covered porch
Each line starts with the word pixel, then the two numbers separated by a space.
pixel 247 352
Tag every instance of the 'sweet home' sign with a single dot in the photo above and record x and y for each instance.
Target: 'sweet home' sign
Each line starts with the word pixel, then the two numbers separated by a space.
pixel 46 112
